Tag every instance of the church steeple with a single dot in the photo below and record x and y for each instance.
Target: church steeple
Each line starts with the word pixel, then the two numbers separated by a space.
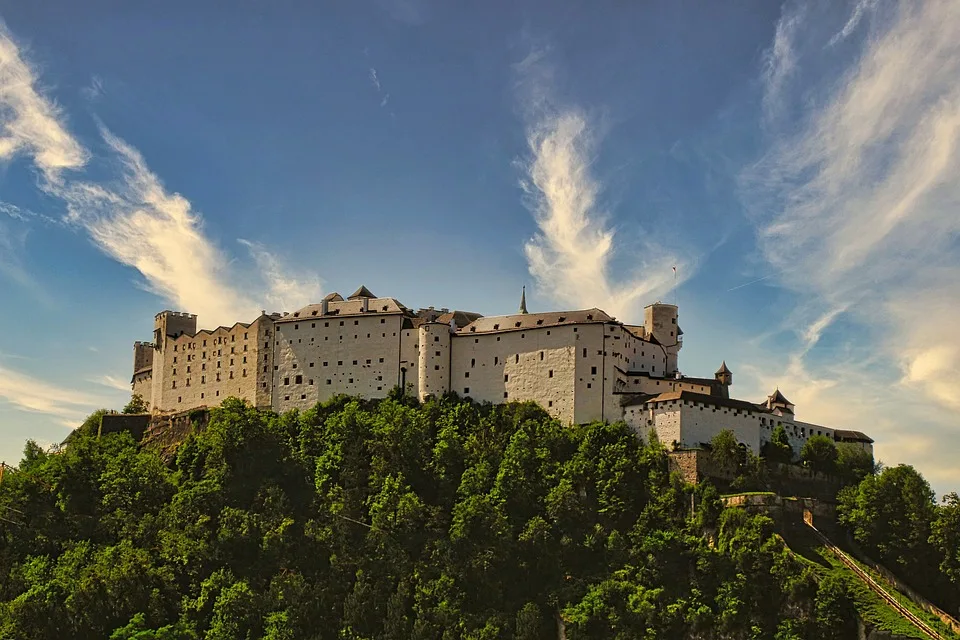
pixel 523 299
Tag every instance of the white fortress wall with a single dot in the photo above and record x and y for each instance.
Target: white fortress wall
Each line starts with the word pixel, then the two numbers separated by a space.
pixel 318 357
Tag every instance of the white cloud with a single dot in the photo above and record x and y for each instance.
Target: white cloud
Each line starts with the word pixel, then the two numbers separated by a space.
pixel 29 123
pixel 780 61
pixel 27 393
pixel 284 289
pixel 572 256
pixel 863 193
pixel 134 220
pixel 113 382
pixel 374 80
pixel 139 223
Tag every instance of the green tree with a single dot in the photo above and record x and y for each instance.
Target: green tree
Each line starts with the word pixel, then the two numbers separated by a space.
pixel 945 536
pixel 890 515
pixel 853 462
pixel 820 454
pixel 778 449
pixel 136 404
pixel 727 453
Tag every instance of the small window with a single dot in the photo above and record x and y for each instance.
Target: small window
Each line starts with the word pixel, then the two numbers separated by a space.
pixel 296 326
pixel 593 371
pixel 549 403
pixel 437 354
pixel 354 362
pixel 473 362
pixel 350 381
pixel 368 361
pixel 286 381
pixel 303 396
pixel 466 389
pixel 326 324
pixel 550 373
pixel 541 355
pixel 436 367
pixel 324 364
pixel 381 360
pixel 436 338
pixel 356 322
pixel 505 394
pixel 496 360
pixel 383 320
pixel 298 380
pixel 339 363
pixel 466 374
pixel 584 352
pixel 589 385
pixel 506 377
pixel 329 382
pixel 517 359
pixel 311 365
pixel 341 323
pixel 286 397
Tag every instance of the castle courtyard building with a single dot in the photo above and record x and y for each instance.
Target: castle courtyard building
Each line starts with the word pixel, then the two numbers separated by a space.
pixel 580 366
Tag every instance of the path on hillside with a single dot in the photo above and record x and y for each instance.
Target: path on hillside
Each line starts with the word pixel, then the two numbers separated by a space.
pixel 870 582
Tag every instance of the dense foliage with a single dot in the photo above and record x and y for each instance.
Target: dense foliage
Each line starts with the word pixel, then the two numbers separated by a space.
pixel 895 519
pixel 391 520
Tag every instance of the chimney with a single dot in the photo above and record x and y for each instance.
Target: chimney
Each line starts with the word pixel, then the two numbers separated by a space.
pixel 324 306
pixel 365 304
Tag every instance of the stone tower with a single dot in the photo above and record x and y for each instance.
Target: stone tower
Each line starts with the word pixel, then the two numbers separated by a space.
pixel 660 321
pixel 725 378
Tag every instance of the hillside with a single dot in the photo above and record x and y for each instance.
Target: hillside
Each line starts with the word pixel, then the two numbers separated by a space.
pixel 393 520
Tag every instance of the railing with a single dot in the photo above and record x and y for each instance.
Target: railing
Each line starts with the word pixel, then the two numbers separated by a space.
pixel 879 590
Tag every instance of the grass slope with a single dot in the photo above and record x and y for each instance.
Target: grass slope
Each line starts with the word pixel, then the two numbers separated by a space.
pixel 872 608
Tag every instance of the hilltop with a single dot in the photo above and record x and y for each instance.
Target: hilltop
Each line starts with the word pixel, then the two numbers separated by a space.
pixel 450 519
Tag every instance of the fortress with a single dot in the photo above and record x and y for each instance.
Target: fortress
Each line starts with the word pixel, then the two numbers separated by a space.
pixel 580 366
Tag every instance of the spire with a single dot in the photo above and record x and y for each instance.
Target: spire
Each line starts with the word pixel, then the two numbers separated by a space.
pixel 723 368
pixel 523 300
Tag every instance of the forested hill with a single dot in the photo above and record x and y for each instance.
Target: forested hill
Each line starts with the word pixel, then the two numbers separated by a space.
pixel 392 520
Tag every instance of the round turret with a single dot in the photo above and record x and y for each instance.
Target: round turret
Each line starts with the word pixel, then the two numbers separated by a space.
pixel 434 370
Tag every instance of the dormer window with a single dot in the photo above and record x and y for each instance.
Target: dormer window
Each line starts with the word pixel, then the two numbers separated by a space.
pixel 496 326
pixel 516 324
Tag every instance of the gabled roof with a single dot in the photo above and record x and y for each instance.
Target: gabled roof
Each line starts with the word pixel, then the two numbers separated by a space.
pixel 362 292
pixel 778 398
pixel 333 297
pixel 844 435
pixel 691 396
pixel 522 321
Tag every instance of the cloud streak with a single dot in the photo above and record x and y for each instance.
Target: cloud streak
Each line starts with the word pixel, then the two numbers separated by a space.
pixel 31 394
pixel 284 289
pixel 864 191
pixel 134 219
pixel 572 255
pixel 30 124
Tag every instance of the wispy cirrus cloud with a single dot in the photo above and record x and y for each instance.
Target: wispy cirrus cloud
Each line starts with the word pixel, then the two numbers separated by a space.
pixel 571 257
pixel 133 219
pixel 863 192
pixel 29 123
pixel 285 289
pixel 28 393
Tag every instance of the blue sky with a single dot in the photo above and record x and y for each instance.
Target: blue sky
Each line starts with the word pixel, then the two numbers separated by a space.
pixel 798 163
